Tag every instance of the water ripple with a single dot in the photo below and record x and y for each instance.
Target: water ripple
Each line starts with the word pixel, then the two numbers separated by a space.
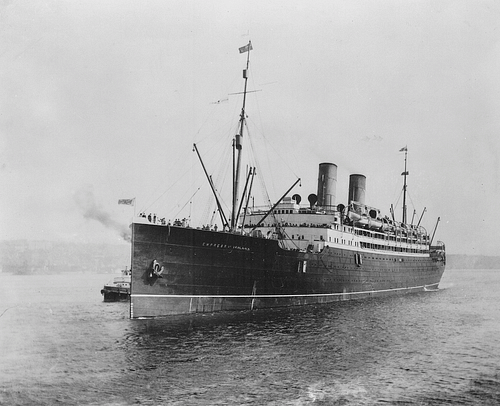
pixel 431 348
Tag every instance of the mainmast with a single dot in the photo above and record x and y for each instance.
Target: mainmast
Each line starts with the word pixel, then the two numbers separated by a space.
pixel 237 142
pixel 405 174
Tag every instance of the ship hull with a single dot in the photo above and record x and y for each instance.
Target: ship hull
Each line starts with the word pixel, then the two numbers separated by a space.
pixel 208 271
pixel 114 294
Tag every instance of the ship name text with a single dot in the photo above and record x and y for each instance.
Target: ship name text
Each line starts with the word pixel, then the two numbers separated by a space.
pixel 224 246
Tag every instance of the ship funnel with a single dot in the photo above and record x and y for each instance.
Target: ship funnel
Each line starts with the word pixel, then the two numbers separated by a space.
pixel 327 184
pixel 357 188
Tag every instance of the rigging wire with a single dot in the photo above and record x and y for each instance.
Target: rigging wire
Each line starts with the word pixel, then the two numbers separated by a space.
pixel 175 164
pixel 276 152
pixel 255 162
pixel 409 197
pixel 188 201
pixel 181 157
pixel 219 185
pixel 262 132
pixel 213 108
pixel 221 176
pixel 399 198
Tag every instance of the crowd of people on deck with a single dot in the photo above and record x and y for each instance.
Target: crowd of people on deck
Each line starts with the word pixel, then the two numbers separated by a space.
pixel 153 218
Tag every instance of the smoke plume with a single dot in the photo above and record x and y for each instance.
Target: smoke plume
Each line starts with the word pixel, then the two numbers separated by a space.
pixel 84 198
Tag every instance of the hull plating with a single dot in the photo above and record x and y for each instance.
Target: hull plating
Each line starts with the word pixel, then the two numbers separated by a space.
pixel 207 271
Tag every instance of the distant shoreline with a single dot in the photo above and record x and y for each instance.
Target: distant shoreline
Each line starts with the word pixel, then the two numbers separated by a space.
pixel 460 261
pixel 24 257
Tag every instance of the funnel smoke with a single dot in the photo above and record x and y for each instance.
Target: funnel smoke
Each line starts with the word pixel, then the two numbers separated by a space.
pixel 84 198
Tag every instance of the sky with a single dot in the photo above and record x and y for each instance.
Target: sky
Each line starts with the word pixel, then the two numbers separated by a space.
pixel 102 101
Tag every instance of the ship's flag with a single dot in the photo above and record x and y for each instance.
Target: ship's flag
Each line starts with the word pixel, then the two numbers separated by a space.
pixel 246 48
pixel 403 149
pixel 406 173
pixel 127 201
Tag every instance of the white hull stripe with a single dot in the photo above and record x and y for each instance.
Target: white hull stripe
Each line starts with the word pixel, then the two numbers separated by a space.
pixel 274 296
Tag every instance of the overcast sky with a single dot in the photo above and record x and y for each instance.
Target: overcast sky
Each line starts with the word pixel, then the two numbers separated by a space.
pixel 102 100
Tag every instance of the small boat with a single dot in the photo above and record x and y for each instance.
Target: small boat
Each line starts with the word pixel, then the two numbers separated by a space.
pixel 119 288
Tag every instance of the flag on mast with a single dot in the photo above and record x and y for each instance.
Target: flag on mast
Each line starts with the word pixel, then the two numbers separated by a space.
pixel 246 48
pixel 129 202
pixel 404 149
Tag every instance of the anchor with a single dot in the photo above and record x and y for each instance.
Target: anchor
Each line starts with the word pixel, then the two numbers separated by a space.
pixel 155 270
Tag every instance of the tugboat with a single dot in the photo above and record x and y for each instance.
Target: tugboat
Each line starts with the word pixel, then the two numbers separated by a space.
pixel 119 288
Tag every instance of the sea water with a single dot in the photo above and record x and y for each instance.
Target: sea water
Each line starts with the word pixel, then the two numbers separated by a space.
pixel 61 344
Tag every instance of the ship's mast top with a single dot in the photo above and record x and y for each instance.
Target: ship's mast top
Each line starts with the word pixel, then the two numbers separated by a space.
pixel 237 143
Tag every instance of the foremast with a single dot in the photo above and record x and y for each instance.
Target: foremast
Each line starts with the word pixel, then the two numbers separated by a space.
pixel 237 142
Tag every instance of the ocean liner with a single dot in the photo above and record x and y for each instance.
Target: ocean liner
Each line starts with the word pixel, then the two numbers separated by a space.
pixel 288 254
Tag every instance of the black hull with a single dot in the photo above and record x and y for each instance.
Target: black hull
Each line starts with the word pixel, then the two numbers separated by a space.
pixel 207 271
pixel 115 294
